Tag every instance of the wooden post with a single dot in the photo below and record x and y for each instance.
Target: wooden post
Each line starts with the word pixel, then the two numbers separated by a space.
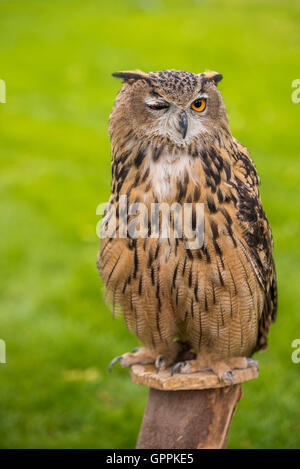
pixel 188 411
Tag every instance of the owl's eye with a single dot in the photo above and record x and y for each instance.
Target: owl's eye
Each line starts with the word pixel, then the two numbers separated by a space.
pixel 158 106
pixel 199 105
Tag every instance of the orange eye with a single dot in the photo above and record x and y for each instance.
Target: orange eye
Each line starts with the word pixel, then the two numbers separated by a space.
pixel 199 105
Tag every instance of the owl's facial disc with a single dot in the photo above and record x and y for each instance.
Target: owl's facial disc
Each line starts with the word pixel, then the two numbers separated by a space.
pixel 180 122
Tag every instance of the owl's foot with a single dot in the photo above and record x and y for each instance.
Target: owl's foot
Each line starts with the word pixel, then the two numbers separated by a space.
pixel 224 369
pixel 141 356
pixel 145 356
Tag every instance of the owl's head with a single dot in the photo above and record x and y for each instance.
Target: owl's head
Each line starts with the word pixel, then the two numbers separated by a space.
pixel 181 105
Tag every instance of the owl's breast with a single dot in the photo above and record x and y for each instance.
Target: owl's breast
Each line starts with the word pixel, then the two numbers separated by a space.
pixel 169 172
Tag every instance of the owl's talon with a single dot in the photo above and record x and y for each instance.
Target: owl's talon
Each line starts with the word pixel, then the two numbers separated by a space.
pixel 158 363
pixel 113 362
pixel 252 363
pixel 176 367
pixel 229 374
pixel 135 349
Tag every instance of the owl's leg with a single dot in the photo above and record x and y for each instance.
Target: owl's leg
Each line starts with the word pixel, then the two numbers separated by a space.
pixel 224 369
pixel 160 357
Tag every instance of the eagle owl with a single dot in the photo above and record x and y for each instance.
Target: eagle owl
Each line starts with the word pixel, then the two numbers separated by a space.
pixel 192 308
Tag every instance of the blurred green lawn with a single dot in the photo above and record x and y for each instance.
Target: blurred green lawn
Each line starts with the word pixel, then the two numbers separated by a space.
pixel 56 57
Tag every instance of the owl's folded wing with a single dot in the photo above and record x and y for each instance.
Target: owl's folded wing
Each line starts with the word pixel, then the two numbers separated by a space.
pixel 257 240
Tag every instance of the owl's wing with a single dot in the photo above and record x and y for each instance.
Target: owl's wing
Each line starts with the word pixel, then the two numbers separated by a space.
pixel 257 240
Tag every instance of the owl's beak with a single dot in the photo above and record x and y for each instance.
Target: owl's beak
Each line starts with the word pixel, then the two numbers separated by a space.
pixel 183 124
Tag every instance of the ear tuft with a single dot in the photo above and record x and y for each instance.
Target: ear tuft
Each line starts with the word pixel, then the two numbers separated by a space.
pixel 131 76
pixel 212 76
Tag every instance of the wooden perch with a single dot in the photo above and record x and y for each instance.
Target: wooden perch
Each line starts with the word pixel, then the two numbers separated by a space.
pixel 188 411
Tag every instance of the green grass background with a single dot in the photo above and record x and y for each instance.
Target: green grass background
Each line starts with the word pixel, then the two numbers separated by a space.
pixel 56 57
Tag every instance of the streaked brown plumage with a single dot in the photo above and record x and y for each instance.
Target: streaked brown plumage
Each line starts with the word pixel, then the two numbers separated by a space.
pixel 217 301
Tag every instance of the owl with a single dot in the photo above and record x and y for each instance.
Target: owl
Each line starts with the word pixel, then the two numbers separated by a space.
pixel 207 305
